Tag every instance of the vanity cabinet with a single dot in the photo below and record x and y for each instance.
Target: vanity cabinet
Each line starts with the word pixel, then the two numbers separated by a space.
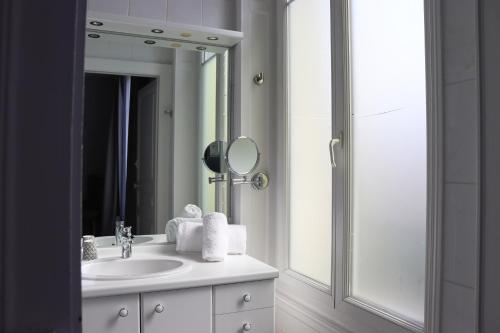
pixel 228 308
pixel 111 314
pixel 244 307
pixel 185 310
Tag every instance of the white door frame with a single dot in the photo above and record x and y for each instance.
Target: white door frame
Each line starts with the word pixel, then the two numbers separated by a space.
pixel 164 115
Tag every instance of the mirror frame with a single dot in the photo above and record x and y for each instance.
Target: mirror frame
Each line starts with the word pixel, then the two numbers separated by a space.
pixel 226 156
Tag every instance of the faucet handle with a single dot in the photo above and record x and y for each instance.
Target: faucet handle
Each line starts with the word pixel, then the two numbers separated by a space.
pixel 127 232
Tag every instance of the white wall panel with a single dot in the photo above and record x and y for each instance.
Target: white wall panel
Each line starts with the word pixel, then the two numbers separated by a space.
pixel 184 11
pixel 118 7
pixel 256 53
pixel 458 309
pixel 461 159
pixel 211 13
pixel 459 40
pixel 461 128
pixel 153 9
pixel 219 14
pixel 459 247
pixel 186 159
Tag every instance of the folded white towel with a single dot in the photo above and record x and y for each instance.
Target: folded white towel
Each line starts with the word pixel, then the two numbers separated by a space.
pixel 215 237
pixel 237 239
pixel 191 211
pixel 189 237
pixel 173 225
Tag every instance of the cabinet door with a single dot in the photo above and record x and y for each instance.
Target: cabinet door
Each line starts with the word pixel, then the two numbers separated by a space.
pixel 258 321
pixel 244 296
pixel 112 314
pixel 185 310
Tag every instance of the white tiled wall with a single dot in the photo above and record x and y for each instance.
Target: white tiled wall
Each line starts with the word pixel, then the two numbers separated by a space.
pixel 257 52
pixel 213 13
pixel 461 155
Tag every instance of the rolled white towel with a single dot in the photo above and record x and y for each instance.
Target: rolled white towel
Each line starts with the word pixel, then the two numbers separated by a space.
pixel 189 237
pixel 172 226
pixel 215 237
pixel 191 211
pixel 237 239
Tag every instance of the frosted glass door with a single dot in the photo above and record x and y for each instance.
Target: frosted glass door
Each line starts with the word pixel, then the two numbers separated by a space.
pixel 388 156
pixel 310 131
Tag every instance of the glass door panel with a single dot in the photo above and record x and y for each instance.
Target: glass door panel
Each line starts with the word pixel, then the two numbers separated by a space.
pixel 310 131
pixel 388 156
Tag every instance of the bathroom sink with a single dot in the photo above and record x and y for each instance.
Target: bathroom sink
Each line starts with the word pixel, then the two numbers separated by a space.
pixel 105 241
pixel 131 268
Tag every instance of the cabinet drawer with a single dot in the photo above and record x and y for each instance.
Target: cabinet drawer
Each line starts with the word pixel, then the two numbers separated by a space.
pixel 102 314
pixel 185 310
pixel 245 296
pixel 259 321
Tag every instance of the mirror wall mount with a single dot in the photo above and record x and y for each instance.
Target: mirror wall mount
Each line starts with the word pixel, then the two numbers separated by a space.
pixel 259 181
pixel 258 79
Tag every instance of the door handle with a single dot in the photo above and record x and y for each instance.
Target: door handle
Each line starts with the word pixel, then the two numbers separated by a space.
pixel 333 142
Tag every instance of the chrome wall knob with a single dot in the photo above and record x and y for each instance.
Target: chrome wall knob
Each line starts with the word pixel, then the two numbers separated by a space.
pixel 159 308
pixel 247 327
pixel 247 298
pixel 123 312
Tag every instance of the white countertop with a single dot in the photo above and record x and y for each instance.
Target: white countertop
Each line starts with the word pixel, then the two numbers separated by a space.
pixel 236 268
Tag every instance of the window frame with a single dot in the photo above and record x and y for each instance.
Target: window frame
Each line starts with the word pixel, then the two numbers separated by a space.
pixel 332 307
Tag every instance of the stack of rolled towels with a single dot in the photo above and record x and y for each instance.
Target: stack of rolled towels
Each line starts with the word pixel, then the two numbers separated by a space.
pixel 211 235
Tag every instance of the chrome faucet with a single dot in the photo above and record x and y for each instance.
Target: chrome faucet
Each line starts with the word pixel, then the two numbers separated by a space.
pixel 126 242
pixel 119 225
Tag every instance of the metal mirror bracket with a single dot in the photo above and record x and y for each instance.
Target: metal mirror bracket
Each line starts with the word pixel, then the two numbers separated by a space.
pixel 216 179
pixel 259 181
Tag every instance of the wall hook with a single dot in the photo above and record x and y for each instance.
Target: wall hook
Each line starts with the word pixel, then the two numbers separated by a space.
pixel 258 79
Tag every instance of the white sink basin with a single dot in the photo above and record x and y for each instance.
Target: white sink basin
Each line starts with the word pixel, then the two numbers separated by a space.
pixel 131 268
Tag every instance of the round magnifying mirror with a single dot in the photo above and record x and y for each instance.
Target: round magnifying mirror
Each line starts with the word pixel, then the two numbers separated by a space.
pixel 214 157
pixel 242 156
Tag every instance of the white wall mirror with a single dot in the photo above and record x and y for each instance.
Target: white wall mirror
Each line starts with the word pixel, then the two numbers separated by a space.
pixel 152 105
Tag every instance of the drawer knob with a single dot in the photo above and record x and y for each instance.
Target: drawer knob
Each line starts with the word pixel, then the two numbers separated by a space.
pixel 159 308
pixel 123 312
pixel 247 298
pixel 247 327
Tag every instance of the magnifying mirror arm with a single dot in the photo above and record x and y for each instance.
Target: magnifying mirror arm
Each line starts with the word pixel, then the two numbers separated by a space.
pixel 241 181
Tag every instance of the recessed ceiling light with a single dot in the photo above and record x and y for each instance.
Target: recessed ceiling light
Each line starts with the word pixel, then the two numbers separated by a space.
pixel 201 48
pixel 175 45
pixel 96 23
pixel 149 42
pixel 94 35
pixel 213 38
pixel 157 31
pixel 186 34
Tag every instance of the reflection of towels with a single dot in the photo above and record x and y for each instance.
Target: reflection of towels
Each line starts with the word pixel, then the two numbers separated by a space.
pixel 173 225
pixel 191 211
pixel 189 237
pixel 215 238
pixel 237 239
